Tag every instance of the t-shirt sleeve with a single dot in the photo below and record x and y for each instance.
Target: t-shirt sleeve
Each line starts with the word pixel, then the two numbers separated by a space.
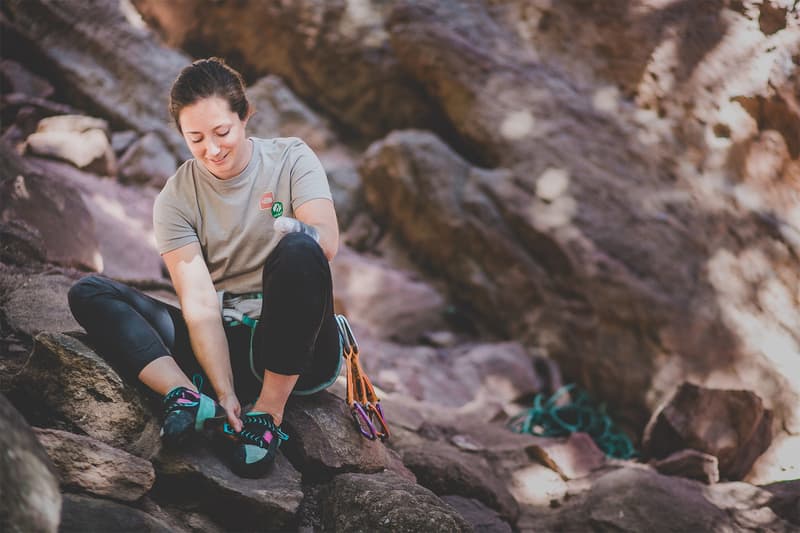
pixel 309 180
pixel 171 223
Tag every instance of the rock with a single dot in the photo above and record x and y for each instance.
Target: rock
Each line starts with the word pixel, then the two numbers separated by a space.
pixel 385 302
pixel 55 217
pixel 85 464
pixel 323 439
pixel 690 464
pixel 34 303
pixel 17 79
pixel 125 214
pixel 785 499
pixel 778 463
pixel 342 60
pixel 635 499
pixel 82 513
pixel 147 161
pixel 80 140
pixel 732 425
pixel 481 518
pixel 574 457
pixel 31 500
pixel 447 471
pixel 387 503
pixel 74 44
pixel 537 485
pixel 121 141
pixel 66 381
pixel 196 479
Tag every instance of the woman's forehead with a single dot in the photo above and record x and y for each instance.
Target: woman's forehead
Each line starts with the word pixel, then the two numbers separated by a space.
pixel 206 114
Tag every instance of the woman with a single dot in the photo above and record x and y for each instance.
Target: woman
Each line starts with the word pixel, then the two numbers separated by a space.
pixel 247 223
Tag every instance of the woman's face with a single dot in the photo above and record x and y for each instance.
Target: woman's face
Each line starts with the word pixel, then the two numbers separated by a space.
pixel 216 136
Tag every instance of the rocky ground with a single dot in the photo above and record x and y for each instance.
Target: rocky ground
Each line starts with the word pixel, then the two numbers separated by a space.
pixel 529 193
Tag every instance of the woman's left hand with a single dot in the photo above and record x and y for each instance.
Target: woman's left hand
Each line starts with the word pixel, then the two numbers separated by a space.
pixel 230 403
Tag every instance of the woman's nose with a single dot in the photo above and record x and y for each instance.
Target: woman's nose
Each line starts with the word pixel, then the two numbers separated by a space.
pixel 212 148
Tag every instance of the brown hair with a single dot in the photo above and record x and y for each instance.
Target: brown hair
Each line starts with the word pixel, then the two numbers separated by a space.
pixel 205 78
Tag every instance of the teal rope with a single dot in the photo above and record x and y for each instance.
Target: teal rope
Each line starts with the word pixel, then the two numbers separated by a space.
pixel 547 419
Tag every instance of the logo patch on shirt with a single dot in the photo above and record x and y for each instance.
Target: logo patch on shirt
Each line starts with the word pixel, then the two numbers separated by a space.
pixel 277 209
pixel 266 201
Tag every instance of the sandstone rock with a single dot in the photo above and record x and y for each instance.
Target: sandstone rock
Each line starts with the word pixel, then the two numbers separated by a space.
pixel 147 161
pixel 732 425
pixel 574 457
pixel 56 214
pixel 80 140
pixel 195 478
pixel 785 500
pixel 385 302
pixel 121 140
pixel 35 303
pixel 85 464
pixel 64 380
pixel 689 464
pixel 126 215
pixel 335 55
pixel 447 471
pixel 31 500
pixel 481 518
pixel 634 499
pixel 387 503
pixel 96 75
pixel 323 439
pixel 82 513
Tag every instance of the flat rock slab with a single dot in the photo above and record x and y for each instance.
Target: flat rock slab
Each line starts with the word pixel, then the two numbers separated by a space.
pixel 385 502
pixel 81 514
pixel 689 464
pixel 86 464
pixel 323 439
pixel 36 303
pixel 69 382
pixel 574 457
pixel 197 479
pixel 481 518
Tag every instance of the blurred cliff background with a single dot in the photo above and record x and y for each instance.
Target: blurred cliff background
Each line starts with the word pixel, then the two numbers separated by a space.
pixel 530 193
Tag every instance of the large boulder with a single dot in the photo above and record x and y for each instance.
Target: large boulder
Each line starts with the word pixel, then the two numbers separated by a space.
pixel 86 464
pixel 31 500
pixel 66 383
pixel 82 141
pixel 387 503
pixel 196 478
pixel 732 425
pixel 125 79
pixel 336 55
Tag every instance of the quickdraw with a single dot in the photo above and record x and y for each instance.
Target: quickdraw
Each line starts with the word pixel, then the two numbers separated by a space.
pixel 364 404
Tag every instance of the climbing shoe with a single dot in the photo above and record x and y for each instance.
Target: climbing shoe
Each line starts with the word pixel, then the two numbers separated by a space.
pixel 255 447
pixel 187 411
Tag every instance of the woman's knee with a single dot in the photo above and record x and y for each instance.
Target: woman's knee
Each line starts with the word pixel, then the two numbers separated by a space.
pixel 87 289
pixel 298 243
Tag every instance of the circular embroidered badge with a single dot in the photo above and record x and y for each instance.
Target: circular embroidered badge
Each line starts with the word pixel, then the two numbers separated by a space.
pixel 277 209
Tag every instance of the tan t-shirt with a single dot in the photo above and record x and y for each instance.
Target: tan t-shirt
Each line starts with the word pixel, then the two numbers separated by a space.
pixel 232 219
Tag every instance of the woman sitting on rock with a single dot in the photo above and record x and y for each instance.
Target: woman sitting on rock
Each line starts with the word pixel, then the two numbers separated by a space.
pixel 246 221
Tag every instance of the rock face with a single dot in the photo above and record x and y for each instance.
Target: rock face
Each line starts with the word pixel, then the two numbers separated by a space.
pixel 82 513
pixel 347 66
pixel 730 425
pixel 99 71
pixel 89 465
pixel 31 500
pixel 51 216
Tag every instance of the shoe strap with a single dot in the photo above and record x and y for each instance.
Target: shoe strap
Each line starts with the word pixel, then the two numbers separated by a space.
pixel 205 410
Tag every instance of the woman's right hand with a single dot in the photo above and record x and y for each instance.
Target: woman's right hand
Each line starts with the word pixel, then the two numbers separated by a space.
pixel 230 403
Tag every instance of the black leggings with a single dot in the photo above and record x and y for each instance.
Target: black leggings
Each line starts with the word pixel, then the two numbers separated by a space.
pixel 296 334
